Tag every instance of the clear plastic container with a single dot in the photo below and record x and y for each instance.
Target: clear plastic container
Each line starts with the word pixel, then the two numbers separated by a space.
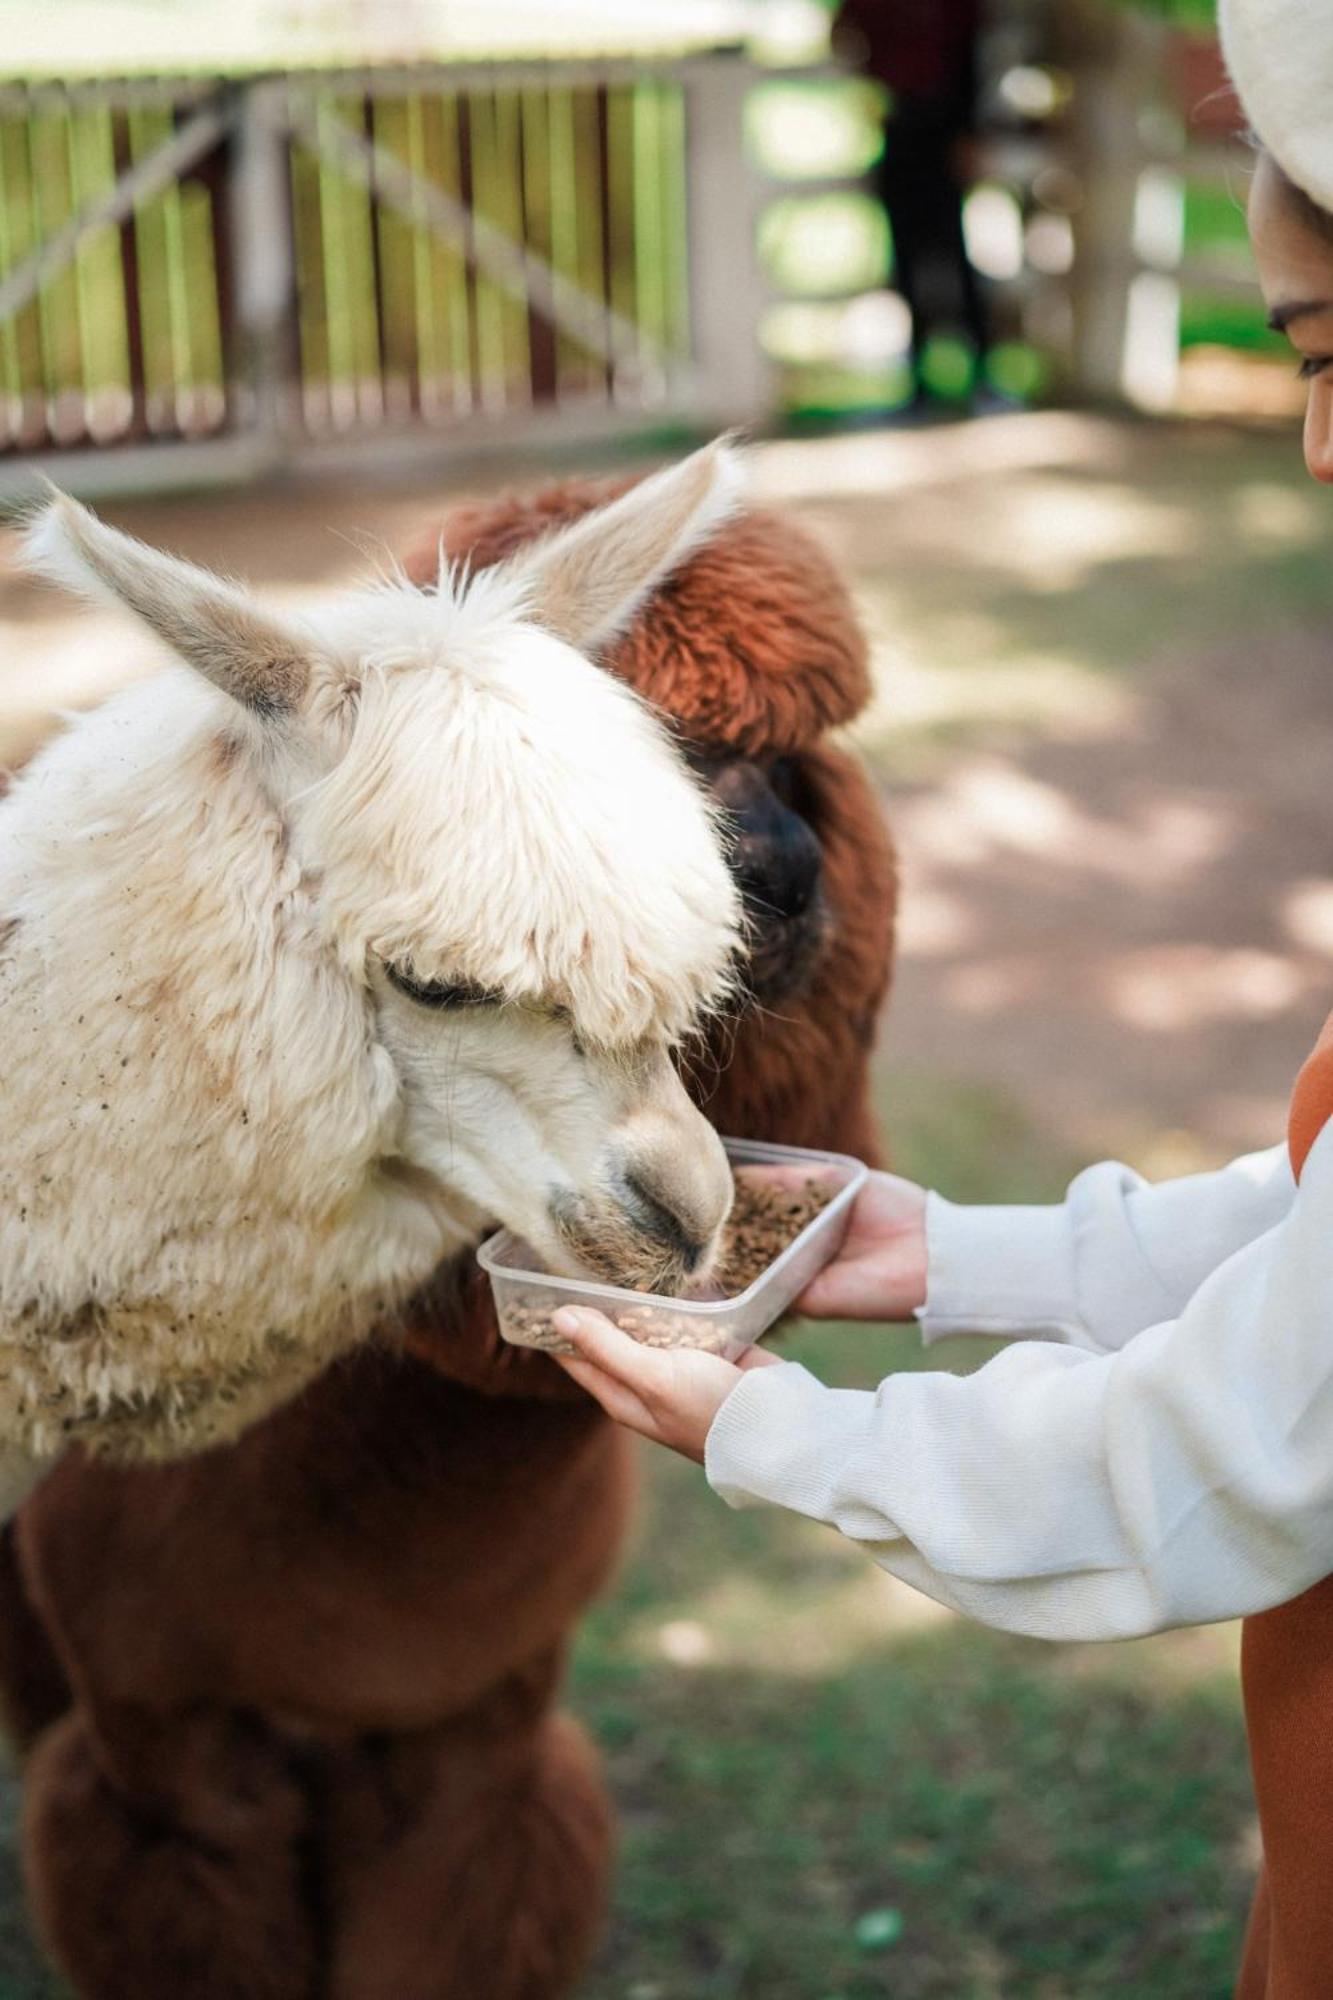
pixel 526 1297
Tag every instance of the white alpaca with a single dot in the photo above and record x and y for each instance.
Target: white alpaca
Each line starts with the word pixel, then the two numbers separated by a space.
pixel 325 947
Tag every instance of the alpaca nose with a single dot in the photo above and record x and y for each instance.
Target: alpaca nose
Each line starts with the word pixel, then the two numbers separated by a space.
pixel 676 1188
pixel 774 852
pixel 654 1216
pixel 782 878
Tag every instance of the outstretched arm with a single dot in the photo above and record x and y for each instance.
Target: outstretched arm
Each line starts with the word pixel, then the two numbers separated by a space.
pixel 1184 1477
pixel 1116 1256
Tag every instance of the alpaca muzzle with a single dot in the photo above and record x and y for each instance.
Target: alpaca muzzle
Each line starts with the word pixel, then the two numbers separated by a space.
pixel 657 1223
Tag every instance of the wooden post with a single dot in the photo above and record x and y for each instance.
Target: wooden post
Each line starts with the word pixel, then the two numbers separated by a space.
pixel 730 383
pixel 123 160
pixel 1123 344
pixel 263 261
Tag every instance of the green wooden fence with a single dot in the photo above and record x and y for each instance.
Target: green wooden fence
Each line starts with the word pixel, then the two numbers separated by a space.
pixel 581 177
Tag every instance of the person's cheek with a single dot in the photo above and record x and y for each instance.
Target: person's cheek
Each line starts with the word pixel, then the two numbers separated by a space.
pixel 1319 430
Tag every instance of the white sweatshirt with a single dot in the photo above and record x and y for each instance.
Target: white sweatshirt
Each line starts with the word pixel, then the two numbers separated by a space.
pixel 1155 1449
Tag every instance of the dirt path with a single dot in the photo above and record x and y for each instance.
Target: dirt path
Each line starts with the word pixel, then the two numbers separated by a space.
pixel 1105 729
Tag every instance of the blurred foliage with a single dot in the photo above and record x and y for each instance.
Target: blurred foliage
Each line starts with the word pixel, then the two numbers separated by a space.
pixel 948 367
pixel 827 244
pixel 1184 13
pixel 813 131
pixel 1019 370
pixel 1209 321
pixel 1215 233
pixel 1215 222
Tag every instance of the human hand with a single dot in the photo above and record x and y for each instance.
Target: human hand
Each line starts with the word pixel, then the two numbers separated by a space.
pixel 880 1271
pixel 668 1394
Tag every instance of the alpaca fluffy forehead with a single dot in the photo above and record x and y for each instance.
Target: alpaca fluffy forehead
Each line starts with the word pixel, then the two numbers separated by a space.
pixel 507 813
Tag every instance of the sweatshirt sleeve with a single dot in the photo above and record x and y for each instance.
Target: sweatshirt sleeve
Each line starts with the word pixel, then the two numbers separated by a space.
pixel 1116 1256
pixel 1183 1477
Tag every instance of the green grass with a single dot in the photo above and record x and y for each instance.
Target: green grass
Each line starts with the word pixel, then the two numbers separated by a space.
pixel 830 1792
pixel 1035 1833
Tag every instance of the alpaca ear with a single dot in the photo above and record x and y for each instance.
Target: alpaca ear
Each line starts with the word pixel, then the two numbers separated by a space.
pixel 211 625
pixel 585 583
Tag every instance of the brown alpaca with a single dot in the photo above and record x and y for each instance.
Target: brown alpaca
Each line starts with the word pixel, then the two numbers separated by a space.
pixel 289 1709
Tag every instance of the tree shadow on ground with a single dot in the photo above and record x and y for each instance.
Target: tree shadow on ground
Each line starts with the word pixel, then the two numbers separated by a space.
pixel 1104 728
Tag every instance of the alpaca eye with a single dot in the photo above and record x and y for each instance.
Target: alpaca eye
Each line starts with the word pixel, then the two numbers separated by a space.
pixel 782 778
pixel 788 784
pixel 566 1020
pixel 441 993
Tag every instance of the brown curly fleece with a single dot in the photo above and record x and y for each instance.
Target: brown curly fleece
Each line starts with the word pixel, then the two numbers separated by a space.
pixel 289 1709
pixel 754 647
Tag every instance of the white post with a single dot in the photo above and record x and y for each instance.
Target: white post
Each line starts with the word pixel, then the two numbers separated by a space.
pixel 1124 339
pixel 731 378
pixel 263 263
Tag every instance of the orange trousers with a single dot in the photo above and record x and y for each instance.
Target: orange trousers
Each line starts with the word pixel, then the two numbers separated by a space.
pixel 1287 1672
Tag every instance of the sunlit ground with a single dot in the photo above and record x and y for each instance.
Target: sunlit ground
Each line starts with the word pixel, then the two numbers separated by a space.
pixel 1105 741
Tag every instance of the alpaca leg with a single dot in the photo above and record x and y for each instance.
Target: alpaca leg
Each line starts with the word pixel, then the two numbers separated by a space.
pixel 202 1899
pixel 491 1879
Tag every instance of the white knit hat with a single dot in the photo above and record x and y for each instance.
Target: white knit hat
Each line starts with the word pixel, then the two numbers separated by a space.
pixel 1280 54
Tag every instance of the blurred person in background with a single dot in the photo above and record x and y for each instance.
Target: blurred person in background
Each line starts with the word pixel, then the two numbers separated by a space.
pixel 925 53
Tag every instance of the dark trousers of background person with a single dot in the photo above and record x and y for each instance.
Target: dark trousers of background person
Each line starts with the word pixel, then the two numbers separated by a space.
pixel 920 184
